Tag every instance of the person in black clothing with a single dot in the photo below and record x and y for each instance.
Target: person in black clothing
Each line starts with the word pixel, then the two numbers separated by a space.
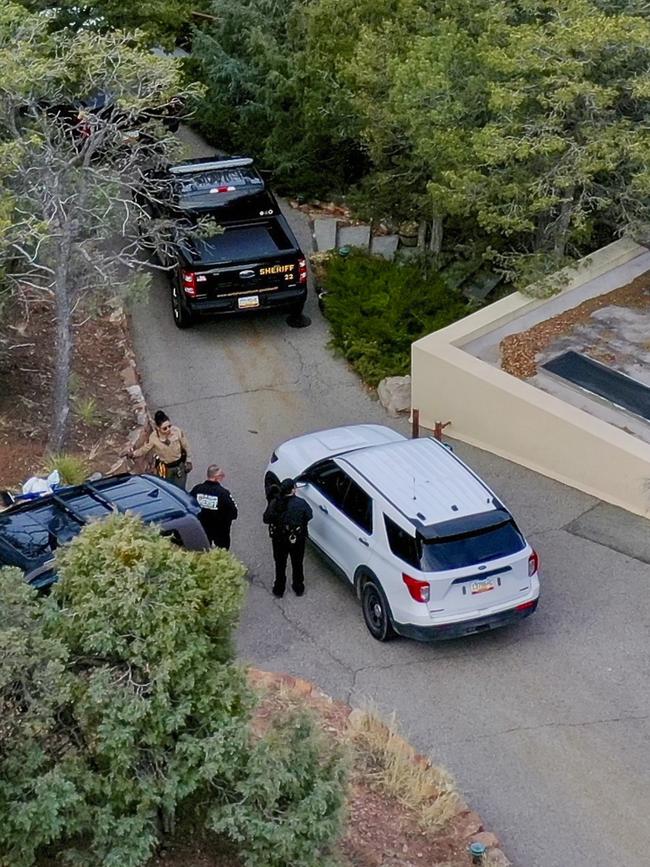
pixel 287 517
pixel 218 509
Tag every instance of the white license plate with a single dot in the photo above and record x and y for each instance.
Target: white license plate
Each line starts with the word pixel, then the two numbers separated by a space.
pixel 481 587
pixel 247 301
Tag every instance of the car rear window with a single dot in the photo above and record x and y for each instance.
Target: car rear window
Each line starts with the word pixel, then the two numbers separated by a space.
pixel 455 552
pixel 217 179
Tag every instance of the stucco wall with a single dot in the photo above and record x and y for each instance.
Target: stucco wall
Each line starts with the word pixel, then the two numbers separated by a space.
pixel 497 412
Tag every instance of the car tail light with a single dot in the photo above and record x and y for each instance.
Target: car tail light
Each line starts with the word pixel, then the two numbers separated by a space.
pixel 419 590
pixel 224 189
pixel 533 564
pixel 189 283
pixel 526 605
pixel 302 271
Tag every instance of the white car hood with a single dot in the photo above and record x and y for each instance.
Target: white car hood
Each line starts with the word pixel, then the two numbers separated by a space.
pixel 300 453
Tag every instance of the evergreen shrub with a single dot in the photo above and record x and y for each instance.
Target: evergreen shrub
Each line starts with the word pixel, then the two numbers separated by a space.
pixel 123 714
pixel 377 308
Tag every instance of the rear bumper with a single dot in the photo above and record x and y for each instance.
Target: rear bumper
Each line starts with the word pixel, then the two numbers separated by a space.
pixel 278 299
pixel 466 627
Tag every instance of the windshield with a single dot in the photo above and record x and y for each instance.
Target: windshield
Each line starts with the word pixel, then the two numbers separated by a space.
pixel 456 552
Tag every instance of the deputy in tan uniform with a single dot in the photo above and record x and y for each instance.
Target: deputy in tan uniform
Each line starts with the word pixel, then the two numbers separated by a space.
pixel 171 451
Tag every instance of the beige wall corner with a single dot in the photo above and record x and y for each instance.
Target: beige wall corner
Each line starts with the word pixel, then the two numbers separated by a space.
pixel 490 409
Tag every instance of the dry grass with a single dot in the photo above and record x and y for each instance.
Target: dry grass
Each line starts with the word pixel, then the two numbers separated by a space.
pixel 389 763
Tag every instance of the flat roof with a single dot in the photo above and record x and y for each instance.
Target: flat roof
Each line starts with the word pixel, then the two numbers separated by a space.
pixel 422 479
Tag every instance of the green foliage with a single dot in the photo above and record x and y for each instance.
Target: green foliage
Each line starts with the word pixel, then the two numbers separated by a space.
pixel 377 309
pixel 38 796
pixel 264 96
pixel 287 801
pixel 519 125
pixel 65 189
pixel 122 710
pixel 165 22
pixel 73 469
pixel 87 410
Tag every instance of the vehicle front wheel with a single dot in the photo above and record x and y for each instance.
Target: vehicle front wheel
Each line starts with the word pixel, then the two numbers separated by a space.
pixel 376 612
pixel 182 316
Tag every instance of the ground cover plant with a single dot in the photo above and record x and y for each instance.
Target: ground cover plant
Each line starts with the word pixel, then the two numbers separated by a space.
pixel 124 719
pixel 377 308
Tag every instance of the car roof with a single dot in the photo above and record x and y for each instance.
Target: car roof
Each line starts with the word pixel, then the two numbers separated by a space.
pixel 30 531
pixel 309 448
pixel 423 480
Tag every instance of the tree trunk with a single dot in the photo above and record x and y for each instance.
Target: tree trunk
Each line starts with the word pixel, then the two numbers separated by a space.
pixel 422 234
pixel 435 242
pixel 63 350
pixel 561 228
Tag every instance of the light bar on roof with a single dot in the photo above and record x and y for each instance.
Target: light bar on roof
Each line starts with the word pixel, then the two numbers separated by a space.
pixel 187 168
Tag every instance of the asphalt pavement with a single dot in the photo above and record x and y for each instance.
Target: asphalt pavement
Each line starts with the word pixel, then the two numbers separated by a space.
pixel 544 725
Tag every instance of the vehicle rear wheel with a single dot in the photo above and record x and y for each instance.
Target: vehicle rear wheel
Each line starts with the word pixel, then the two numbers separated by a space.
pixel 376 612
pixel 296 309
pixel 182 316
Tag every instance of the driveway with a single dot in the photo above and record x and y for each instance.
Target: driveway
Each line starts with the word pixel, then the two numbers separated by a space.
pixel 545 726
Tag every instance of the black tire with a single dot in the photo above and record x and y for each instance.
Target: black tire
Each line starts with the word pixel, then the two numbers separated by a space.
pixel 296 309
pixel 182 316
pixel 376 611
pixel 271 486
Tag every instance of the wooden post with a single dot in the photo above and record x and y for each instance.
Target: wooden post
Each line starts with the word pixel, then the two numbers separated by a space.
pixel 415 424
pixel 438 429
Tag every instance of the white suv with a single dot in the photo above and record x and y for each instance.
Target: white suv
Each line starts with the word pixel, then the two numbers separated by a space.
pixel 430 550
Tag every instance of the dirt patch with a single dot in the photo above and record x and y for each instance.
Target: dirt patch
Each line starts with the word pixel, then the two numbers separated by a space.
pixel 381 830
pixel 101 414
pixel 519 352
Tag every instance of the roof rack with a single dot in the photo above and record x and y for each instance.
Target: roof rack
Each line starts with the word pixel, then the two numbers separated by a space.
pixel 189 168
pixel 92 491
pixel 76 516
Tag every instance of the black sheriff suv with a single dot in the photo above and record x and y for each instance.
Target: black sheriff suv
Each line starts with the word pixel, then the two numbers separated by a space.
pixel 231 250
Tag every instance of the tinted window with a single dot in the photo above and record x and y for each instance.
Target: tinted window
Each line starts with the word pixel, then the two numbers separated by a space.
pixel 467 550
pixel 345 494
pixel 331 481
pixel 401 544
pixel 28 538
pixel 237 177
pixel 357 505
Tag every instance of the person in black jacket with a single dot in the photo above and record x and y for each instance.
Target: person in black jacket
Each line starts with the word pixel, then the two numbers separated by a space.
pixel 218 509
pixel 287 516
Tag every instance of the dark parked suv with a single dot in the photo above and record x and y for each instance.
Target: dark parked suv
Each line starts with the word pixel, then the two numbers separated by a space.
pixel 30 532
